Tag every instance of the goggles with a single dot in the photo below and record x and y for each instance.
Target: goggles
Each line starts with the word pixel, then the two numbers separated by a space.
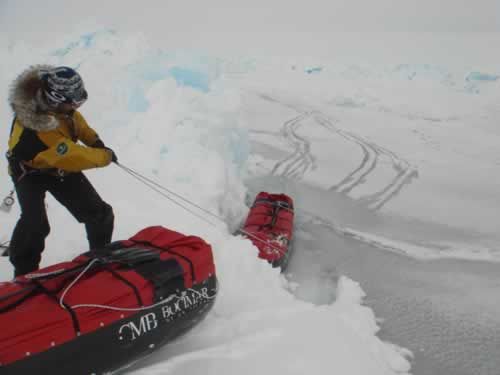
pixel 54 98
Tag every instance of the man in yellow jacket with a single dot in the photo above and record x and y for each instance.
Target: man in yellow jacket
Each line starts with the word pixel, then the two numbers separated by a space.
pixel 45 155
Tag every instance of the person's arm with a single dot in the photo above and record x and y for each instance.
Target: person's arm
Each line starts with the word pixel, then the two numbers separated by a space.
pixel 85 133
pixel 90 137
pixel 64 154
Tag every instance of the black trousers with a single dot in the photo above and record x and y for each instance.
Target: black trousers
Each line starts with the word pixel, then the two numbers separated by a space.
pixel 73 191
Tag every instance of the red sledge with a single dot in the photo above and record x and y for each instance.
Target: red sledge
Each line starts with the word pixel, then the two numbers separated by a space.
pixel 269 226
pixel 106 308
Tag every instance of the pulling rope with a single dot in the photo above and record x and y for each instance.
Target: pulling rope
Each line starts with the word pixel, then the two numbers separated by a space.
pixel 156 187
pixel 148 180
pixel 162 190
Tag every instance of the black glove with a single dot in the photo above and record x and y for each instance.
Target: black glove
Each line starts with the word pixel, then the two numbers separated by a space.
pixel 114 158
pixel 98 144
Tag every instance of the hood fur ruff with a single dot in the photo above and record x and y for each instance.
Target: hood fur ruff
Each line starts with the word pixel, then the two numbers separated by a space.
pixel 26 101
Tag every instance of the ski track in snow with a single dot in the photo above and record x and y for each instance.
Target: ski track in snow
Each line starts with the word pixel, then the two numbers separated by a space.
pixel 301 160
pixel 405 172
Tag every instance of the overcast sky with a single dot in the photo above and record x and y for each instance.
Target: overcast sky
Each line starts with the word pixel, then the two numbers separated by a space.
pixel 255 15
pixel 270 27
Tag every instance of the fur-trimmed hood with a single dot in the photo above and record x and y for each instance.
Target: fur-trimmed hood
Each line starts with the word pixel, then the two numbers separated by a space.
pixel 25 98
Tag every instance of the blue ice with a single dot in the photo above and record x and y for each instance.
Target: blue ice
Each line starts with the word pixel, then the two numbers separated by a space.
pixel 137 101
pixel 317 69
pixel 192 78
pixel 482 77
pixel 85 41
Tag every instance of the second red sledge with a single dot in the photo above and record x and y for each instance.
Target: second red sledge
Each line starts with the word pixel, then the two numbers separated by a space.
pixel 269 225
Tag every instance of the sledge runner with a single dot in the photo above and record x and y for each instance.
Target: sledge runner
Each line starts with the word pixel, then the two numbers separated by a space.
pixel 44 154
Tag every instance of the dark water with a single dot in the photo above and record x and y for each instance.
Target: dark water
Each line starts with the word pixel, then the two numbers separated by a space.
pixel 447 312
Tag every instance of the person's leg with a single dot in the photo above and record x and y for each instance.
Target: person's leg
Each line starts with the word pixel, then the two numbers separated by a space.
pixel 78 195
pixel 32 228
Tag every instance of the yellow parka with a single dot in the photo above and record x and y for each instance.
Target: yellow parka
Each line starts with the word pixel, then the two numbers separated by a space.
pixel 59 148
pixel 42 140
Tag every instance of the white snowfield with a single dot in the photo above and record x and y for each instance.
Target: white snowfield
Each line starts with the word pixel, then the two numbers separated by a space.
pixel 406 137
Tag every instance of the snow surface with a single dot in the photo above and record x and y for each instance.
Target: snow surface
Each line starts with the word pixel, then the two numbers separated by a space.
pixel 407 133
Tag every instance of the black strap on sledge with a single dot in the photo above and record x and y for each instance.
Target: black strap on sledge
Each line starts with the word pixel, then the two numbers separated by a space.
pixel 171 251
pixel 53 295
pixel 276 207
